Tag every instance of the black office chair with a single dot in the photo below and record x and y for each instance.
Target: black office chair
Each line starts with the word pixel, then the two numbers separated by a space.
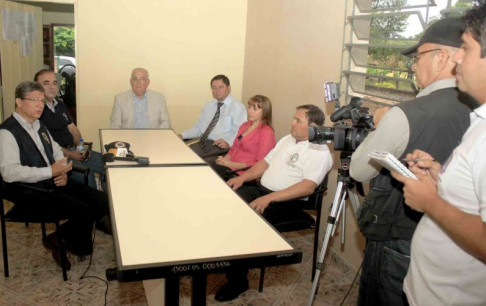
pixel 14 216
pixel 305 221
pixel 191 141
pixel 234 173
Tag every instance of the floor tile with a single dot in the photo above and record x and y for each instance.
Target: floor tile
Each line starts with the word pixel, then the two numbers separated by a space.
pixel 35 279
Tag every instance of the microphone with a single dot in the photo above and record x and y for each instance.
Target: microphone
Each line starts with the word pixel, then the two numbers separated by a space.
pixel 339 114
pixel 110 157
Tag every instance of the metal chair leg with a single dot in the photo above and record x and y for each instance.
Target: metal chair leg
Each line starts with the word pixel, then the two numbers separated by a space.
pixel 4 243
pixel 62 251
pixel 316 243
pixel 262 278
pixel 43 227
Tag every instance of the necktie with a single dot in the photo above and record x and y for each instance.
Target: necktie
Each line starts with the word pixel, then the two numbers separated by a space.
pixel 212 124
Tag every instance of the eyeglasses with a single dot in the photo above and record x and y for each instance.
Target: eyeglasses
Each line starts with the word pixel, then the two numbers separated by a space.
pixel 135 80
pixel 35 100
pixel 416 57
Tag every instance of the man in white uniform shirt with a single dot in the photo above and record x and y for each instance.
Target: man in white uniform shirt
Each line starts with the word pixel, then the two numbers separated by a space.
pixel 293 169
pixel 448 264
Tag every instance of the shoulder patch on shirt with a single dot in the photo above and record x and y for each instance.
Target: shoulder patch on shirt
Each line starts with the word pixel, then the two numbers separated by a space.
pixel 65 116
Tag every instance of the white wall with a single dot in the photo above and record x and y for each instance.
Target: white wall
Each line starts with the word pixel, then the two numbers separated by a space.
pixel 292 49
pixel 182 43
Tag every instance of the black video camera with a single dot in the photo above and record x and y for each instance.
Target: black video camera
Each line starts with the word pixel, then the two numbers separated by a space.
pixel 345 137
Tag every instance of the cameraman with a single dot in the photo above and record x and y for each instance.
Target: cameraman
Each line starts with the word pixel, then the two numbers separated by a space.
pixel 434 122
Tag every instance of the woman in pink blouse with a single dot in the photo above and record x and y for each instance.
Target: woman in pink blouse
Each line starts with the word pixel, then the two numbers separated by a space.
pixel 254 139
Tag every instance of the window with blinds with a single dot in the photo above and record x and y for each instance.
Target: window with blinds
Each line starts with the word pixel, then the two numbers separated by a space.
pixel 378 31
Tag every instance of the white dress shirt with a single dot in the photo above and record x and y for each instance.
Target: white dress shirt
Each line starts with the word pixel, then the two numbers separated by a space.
pixel 233 115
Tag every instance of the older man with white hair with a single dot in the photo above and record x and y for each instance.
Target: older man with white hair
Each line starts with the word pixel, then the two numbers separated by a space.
pixel 140 108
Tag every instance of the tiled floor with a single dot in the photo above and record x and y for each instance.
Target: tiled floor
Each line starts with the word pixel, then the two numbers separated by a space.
pixel 36 280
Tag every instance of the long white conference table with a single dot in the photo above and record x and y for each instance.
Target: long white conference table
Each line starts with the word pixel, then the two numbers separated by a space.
pixel 180 218
pixel 161 146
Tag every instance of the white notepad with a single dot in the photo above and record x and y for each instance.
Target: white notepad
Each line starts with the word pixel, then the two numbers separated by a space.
pixel 389 161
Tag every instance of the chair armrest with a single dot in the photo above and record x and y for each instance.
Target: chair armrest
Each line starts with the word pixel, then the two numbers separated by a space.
pixel 81 169
pixel 215 153
pixel 231 172
pixel 89 145
pixel 317 191
pixel 190 141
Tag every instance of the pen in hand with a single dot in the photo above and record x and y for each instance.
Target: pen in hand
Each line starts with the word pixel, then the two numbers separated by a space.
pixel 417 159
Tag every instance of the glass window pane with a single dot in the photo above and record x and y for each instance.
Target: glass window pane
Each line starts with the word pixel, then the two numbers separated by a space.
pixel 388 26
pixel 366 6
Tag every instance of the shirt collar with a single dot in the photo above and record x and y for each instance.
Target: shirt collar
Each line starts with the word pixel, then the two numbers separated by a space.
pixel 135 96
pixel 481 111
pixel 226 101
pixel 305 142
pixel 52 108
pixel 437 85
pixel 25 123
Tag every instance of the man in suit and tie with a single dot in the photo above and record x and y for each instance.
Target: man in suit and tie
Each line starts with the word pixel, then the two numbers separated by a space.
pixel 139 108
pixel 219 121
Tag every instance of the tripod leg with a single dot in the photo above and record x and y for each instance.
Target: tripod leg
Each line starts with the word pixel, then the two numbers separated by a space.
pixel 343 232
pixel 353 196
pixel 341 205
pixel 331 222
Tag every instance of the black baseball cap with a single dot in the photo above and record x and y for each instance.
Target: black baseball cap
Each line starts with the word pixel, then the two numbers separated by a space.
pixel 446 32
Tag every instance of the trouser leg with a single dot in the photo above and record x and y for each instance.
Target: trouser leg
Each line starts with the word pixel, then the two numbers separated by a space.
pixel 368 287
pixel 237 275
pixel 251 192
pixel 95 164
pixel 61 205
pixel 96 200
pixel 385 265
pixel 394 267
pixel 220 170
pixel 281 212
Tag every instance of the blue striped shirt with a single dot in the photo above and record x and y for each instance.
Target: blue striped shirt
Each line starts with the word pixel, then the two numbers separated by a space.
pixel 140 112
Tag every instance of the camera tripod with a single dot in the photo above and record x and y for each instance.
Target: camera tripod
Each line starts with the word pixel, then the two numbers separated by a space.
pixel 344 190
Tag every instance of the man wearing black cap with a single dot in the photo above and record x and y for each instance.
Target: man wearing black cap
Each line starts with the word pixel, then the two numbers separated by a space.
pixel 434 122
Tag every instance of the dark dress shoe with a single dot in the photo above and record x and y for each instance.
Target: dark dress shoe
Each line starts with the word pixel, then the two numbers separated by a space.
pixel 51 242
pixel 79 249
pixel 230 291
pixel 104 225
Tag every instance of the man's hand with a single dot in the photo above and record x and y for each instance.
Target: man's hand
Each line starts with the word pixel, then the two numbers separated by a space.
pixel 60 167
pixel 420 160
pixel 260 204
pixel 378 115
pixel 235 182
pixel 180 136
pixel 220 143
pixel 421 194
pixel 77 155
pixel 61 180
